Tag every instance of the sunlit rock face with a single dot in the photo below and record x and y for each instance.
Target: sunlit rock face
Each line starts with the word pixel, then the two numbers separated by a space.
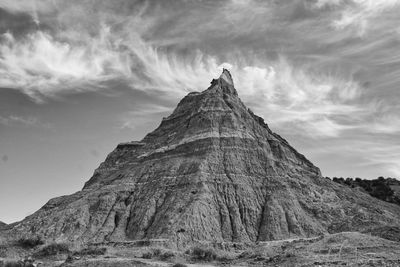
pixel 211 171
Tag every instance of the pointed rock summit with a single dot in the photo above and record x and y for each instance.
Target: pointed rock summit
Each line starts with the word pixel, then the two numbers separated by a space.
pixel 212 171
pixel 226 76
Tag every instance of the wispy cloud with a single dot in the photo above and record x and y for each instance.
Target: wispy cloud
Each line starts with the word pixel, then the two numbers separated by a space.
pixel 291 96
pixel 357 14
pixel 315 69
pixel 40 64
pixel 387 123
pixel 381 154
pixel 386 156
pixel 15 120
pixel 142 115
pixel 31 7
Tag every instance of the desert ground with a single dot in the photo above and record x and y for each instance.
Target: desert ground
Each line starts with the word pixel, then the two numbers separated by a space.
pixel 341 249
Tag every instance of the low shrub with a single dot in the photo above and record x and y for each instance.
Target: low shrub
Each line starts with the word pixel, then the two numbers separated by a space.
pixel 27 262
pixel 12 263
pixel 143 243
pixel 204 254
pixel 167 255
pixel 225 258
pixel 255 255
pixel 69 259
pixel 158 253
pixel 91 251
pixel 147 255
pixel 29 242
pixel 179 265
pixel 53 249
pixel 246 255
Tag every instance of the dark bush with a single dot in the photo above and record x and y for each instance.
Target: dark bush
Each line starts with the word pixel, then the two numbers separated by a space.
pixel 143 243
pixel 53 249
pixel 167 255
pixel 30 242
pixel 147 255
pixel 179 265
pixel 388 232
pixel 157 252
pixel 246 255
pixel 91 251
pixel 12 263
pixel 69 259
pixel 27 262
pixel 378 188
pixel 224 258
pixel 204 254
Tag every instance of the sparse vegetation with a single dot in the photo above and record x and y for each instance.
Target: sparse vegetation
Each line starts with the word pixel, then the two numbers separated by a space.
pixel 30 242
pixel 167 255
pixel 203 254
pixel 332 249
pixel 257 256
pixel 147 255
pixel 143 243
pixel 158 253
pixel 225 258
pixel 27 262
pixel 12 263
pixel 387 232
pixel 91 251
pixel 380 188
pixel 53 249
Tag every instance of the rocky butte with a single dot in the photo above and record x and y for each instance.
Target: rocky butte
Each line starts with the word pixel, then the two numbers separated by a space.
pixel 212 171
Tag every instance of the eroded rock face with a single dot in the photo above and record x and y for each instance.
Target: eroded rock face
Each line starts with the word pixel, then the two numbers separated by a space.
pixel 2 225
pixel 211 171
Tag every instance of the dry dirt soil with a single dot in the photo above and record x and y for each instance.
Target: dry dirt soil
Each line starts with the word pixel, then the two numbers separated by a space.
pixel 342 249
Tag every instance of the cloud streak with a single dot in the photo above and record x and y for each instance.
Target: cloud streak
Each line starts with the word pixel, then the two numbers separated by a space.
pixel 38 64
pixel 15 120
pixel 318 69
pixel 357 14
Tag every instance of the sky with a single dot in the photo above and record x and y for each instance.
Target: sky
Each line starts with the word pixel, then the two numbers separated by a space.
pixel 78 77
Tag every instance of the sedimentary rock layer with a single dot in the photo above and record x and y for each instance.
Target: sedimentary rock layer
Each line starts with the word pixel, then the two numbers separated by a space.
pixel 211 171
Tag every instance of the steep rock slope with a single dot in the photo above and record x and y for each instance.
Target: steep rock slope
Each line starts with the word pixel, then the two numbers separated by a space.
pixel 211 171
pixel 2 225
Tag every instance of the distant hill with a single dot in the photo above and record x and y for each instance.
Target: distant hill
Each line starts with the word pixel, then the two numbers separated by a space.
pixel 386 189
